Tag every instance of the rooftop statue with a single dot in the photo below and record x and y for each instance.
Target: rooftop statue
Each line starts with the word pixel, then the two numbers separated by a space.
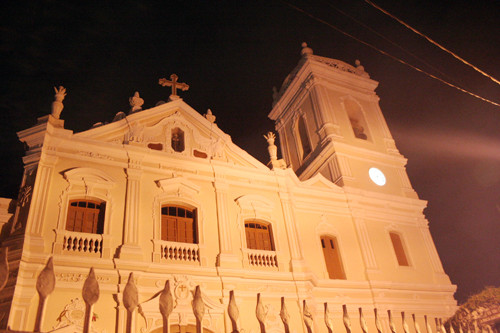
pixel 136 102
pixel 209 115
pixel 57 105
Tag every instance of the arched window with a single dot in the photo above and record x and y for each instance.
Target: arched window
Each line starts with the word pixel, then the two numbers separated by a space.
pixel 178 224
pixel 398 246
pixel 177 140
pixel 332 257
pixel 357 119
pixel 86 216
pixel 303 137
pixel 259 236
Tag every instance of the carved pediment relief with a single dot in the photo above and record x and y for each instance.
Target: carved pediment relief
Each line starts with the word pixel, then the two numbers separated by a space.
pixel 174 134
pixel 178 186
pixel 256 205
pixel 88 177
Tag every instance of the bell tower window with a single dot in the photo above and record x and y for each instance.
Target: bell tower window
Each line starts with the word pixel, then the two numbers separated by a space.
pixel 399 249
pixel 357 119
pixel 177 140
pixel 303 137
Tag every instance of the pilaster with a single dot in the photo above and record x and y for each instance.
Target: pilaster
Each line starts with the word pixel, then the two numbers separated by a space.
pixel 226 257
pixel 130 248
pixel 297 263
pixel 326 120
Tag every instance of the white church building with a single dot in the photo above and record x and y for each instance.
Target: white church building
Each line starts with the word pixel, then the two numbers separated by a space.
pixel 165 194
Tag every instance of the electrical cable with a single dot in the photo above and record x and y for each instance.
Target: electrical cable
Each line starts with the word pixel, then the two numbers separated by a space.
pixel 392 43
pixel 432 41
pixel 389 55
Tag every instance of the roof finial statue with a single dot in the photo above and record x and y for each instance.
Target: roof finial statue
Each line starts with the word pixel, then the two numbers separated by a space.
pixel 136 103
pixel 209 115
pixel 57 105
pixel 273 151
pixel 306 51
pixel 360 70
pixel 174 84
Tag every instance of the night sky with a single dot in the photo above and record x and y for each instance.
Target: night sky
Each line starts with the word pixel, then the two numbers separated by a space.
pixel 232 53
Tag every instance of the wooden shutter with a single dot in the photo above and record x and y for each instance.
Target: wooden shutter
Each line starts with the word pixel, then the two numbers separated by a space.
pixel 85 216
pixel 332 258
pixel 178 224
pixel 258 236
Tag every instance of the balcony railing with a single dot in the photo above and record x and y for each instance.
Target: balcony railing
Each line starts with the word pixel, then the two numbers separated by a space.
pixel 178 252
pixel 84 243
pixel 261 258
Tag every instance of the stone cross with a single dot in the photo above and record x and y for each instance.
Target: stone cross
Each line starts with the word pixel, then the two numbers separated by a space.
pixel 174 84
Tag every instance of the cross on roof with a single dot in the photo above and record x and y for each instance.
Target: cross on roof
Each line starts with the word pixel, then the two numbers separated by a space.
pixel 174 84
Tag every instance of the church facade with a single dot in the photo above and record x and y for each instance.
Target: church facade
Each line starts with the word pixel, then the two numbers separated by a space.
pixel 165 194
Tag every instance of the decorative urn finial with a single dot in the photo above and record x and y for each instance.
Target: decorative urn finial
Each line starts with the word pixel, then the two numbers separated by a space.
pixel 209 115
pixel 306 50
pixel 135 102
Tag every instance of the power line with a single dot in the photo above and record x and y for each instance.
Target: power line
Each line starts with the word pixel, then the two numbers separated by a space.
pixel 389 55
pixel 432 41
pixel 391 42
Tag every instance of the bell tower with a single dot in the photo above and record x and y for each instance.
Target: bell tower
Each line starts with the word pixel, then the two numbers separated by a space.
pixel 329 121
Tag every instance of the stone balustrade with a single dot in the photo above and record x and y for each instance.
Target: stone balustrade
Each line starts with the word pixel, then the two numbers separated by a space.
pixel 182 252
pixel 261 258
pixel 85 243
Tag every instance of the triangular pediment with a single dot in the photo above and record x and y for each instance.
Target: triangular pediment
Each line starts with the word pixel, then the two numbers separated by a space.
pixel 173 128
